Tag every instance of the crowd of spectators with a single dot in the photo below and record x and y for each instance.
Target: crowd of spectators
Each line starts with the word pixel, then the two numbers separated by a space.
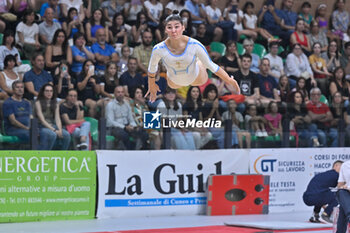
pixel 89 58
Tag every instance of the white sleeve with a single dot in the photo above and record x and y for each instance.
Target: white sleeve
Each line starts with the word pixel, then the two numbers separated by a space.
pixel 153 62
pixel 203 56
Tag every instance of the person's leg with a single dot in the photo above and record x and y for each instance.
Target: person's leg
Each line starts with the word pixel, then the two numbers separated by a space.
pixel 189 140
pixel 47 139
pixel 219 136
pixel 121 134
pixel 22 134
pixel 333 134
pixel 178 139
pixel 64 141
pixel 331 202
pixel 344 210
pixel 322 137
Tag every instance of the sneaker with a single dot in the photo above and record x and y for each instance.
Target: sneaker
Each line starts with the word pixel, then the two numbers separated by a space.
pixel 315 218
pixel 325 218
pixel 264 133
pixel 82 146
pixel 315 142
pixel 258 133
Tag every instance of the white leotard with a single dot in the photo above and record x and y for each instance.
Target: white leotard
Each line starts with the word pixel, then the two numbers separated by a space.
pixel 181 69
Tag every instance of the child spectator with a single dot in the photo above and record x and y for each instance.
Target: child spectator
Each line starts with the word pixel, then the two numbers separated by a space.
pixel 305 15
pixel 63 81
pixel 273 120
pixel 283 88
pixel 237 122
pixel 255 123
pixel 301 87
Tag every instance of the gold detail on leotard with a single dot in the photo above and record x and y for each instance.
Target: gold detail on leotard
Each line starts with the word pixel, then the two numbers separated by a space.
pixel 178 64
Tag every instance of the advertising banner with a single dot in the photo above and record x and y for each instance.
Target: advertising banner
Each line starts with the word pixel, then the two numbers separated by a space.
pixel 165 182
pixel 291 170
pixel 47 185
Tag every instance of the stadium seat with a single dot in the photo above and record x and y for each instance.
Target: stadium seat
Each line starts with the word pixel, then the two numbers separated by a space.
pixel 94 130
pixel 324 100
pixel 259 50
pixel 1 37
pixel 280 49
pixel 218 47
pixel 240 49
pixel 5 138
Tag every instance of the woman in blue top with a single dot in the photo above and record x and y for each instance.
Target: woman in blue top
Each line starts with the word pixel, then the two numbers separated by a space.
pixel 73 24
pixel 80 53
pixel 184 58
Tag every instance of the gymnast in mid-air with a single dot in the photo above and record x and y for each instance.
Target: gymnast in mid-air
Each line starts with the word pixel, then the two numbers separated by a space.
pixel 185 59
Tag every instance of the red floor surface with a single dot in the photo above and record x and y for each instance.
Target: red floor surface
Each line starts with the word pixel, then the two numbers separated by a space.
pixel 213 229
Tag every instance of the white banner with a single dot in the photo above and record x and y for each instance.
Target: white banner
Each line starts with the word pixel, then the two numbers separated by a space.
pixel 291 170
pixel 164 182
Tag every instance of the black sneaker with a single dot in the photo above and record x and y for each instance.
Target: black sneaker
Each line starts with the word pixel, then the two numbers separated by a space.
pixel 315 218
pixel 325 218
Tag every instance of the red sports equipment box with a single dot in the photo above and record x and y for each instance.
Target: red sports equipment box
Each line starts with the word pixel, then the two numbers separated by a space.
pixel 238 194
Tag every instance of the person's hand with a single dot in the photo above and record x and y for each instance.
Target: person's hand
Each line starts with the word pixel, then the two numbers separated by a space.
pixel 37 45
pixel 92 80
pixel 90 73
pixel 153 88
pixel 313 83
pixel 264 9
pixel 271 8
pixel 59 133
pixel 129 128
pixel 216 104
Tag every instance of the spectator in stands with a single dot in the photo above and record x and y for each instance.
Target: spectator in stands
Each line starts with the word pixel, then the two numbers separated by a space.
pixel 346 37
pixel 247 81
pixel 27 35
pixel 20 6
pixel 119 31
pixel 267 84
pixel 321 115
pixel 138 29
pixel 197 11
pixel 202 35
pixel 65 5
pixel 131 11
pixel 301 121
pixel 248 45
pixel 48 28
pixel 57 51
pixel 301 87
pixel 4 8
pixel 250 22
pixel 231 62
pixel 89 88
pixel 332 56
pixel 283 88
pixel 63 81
pixel 53 4
pixel 299 37
pixel 237 123
pixel 188 23
pixel 120 122
pixel 143 52
pixel 50 126
pixel 339 84
pixel 154 11
pixel 322 20
pixel 288 16
pixel 131 79
pixel 8 76
pixel 138 107
pixel 172 5
pixel 90 6
pixel 123 62
pixel 235 15
pixel 159 33
pixel 80 53
pixel 96 22
pixel 17 113
pixel 317 35
pixel 345 58
pixel 103 51
pixel 297 65
pixel 212 110
pixel 72 115
pixel 306 16
pixel 273 120
pixel 193 108
pixel 338 110
pixel 255 123
pixel 109 81
pixel 276 62
pixel 170 107
pixel 111 7
pixel 268 18
pixel 72 25
pixel 8 48
pixel 36 77
pixel 319 68
pixel 340 19
pixel 215 18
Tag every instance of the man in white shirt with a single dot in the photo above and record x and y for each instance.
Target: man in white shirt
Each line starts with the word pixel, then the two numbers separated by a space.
pixel 344 197
pixel 48 28
pixel 276 63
